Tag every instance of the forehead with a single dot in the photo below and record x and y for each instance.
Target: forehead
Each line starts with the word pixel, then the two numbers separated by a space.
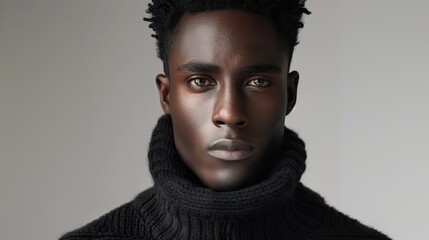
pixel 226 36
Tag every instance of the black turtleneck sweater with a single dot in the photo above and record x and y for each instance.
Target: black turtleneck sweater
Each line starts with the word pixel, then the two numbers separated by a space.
pixel 179 206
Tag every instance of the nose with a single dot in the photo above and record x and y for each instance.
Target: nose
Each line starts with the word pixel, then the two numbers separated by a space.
pixel 230 109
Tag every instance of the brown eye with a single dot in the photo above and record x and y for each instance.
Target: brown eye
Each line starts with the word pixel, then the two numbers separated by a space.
pixel 259 82
pixel 201 82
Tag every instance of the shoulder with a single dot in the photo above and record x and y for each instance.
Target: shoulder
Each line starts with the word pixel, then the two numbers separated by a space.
pixel 123 222
pixel 334 224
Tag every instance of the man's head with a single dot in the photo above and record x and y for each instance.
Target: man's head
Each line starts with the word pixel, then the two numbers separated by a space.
pixel 285 15
pixel 227 84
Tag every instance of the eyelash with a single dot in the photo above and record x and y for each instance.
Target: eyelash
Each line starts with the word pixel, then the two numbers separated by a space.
pixel 267 82
pixel 192 82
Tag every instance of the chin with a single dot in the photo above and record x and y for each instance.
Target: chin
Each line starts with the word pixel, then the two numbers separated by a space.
pixel 226 180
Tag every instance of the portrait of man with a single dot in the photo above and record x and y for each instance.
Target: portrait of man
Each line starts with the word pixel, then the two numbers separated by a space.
pixel 214 119
pixel 223 162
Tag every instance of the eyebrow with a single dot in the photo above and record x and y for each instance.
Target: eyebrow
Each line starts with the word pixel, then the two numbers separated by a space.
pixel 210 68
pixel 263 68
pixel 198 67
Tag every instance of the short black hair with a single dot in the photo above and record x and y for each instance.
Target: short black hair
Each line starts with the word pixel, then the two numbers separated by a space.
pixel 286 15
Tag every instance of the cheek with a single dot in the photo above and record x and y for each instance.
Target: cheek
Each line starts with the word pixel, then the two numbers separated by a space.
pixel 270 109
pixel 192 109
pixel 191 114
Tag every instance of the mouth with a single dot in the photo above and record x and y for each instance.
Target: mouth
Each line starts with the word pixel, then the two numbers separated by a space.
pixel 231 149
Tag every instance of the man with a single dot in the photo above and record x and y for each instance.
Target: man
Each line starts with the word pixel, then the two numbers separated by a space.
pixel 224 164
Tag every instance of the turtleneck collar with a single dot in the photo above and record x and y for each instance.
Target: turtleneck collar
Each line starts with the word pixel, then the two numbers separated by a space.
pixel 177 186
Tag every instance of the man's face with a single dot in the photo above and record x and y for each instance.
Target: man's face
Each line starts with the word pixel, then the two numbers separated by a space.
pixel 228 93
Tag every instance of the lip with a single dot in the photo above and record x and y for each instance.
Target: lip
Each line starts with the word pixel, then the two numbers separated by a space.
pixel 231 149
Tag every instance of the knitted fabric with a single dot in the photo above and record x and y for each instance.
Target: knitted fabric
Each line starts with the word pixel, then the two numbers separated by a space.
pixel 179 206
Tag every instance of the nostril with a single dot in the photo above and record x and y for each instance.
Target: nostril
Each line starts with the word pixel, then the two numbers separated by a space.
pixel 241 123
pixel 218 122
pixel 238 124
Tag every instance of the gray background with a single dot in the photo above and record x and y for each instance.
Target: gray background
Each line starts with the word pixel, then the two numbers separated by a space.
pixel 78 102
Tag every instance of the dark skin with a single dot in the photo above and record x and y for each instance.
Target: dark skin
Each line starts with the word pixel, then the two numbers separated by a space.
pixel 228 92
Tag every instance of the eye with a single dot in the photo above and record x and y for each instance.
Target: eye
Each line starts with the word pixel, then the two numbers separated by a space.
pixel 201 82
pixel 259 82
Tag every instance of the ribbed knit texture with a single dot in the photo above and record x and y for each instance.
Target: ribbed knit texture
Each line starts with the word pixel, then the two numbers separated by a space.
pixel 179 206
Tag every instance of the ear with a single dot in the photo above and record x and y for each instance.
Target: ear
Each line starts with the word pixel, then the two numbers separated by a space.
pixel 292 87
pixel 163 85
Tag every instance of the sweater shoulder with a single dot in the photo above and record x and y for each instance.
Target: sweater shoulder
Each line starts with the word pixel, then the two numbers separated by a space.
pixel 334 224
pixel 123 222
